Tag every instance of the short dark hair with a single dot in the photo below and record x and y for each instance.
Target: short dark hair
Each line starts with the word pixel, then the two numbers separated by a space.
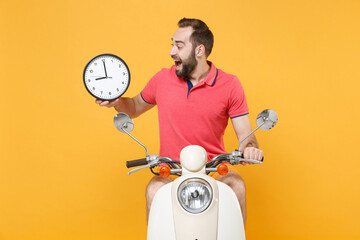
pixel 200 35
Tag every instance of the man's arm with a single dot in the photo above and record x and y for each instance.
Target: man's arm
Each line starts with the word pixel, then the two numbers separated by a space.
pixel 250 146
pixel 131 106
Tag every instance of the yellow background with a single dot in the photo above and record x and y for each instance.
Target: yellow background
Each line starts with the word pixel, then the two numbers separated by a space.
pixel 62 162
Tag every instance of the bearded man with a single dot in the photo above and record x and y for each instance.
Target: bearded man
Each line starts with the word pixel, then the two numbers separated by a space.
pixel 195 101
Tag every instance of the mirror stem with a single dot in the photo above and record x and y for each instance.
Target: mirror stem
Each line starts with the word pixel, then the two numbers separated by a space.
pixel 122 128
pixel 249 135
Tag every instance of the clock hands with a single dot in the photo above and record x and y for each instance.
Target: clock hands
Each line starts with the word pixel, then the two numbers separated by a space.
pixel 106 76
pixel 102 78
pixel 104 67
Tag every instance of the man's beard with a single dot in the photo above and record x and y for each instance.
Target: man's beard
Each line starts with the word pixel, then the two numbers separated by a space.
pixel 188 65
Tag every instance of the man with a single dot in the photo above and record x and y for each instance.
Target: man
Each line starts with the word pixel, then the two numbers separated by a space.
pixel 195 101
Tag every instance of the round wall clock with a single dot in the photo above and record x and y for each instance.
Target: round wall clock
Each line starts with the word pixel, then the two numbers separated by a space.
pixel 106 77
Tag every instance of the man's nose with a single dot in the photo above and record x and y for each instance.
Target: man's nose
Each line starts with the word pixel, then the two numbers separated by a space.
pixel 173 51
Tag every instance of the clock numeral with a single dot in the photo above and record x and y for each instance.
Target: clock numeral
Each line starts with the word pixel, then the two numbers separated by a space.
pixel 119 65
pixel 122 82
pixel 123 73
pixel 112 60
pixel 93 88
pixel 89 80
pixel 95 64
pixel 109 93
pixel 117 90
pixel 101 92
pixel 91 71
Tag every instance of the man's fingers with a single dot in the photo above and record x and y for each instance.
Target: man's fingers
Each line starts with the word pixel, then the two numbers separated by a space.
pixel 104 103
pixel 253 153
pixel 261 156
pixel 108 104
pixel 247 153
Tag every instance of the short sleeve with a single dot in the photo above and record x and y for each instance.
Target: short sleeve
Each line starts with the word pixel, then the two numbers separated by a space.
pixel 237 101
pixel 148 94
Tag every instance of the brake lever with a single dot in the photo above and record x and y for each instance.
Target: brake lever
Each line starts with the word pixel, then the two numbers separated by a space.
pixel 142 167
pixel 251 161
pixel 149 165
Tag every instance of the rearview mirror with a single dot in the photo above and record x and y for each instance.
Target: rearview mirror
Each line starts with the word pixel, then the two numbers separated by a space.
pixel 267 119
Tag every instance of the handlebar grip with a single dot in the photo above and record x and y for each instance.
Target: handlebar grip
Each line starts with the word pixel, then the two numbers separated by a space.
pixel 135 163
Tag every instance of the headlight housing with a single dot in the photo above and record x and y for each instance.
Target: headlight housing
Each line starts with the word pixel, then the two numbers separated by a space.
pixel 195 195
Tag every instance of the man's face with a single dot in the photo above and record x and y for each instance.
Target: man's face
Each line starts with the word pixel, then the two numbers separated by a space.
pixel 183 52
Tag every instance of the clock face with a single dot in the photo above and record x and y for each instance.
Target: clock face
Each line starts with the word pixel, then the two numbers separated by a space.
pixel 106 77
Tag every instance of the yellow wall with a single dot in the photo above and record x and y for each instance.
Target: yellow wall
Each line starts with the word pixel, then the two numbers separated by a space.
pixel 62 171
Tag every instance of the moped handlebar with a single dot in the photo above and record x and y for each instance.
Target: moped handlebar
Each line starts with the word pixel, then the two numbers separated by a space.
pixel 233 158
pixel 135 163
pixel 153 161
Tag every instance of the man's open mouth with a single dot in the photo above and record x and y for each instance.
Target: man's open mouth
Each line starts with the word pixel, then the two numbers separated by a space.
pixel 177 63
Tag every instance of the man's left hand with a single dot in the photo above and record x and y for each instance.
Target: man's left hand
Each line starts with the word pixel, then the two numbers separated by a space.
pixel 253 153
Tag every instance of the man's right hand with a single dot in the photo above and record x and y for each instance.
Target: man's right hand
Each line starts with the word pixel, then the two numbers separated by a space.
pixel 108 104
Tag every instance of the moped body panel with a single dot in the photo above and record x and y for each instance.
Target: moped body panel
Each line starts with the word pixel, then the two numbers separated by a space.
pixel 228 222
pixel 221 220
pixel 161 223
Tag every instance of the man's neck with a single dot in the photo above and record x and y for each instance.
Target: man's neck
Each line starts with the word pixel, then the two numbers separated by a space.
pixel 200 72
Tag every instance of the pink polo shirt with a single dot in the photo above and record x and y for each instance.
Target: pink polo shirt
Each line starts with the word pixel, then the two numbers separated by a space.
pixel 194 115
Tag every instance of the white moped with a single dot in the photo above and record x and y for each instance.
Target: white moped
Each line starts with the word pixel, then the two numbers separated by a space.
pixel 194 206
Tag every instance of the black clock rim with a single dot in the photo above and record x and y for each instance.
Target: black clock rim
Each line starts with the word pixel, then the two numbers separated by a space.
pixel 100 55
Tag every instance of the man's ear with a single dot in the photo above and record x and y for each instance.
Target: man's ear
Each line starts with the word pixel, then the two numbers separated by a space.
pixel 200 50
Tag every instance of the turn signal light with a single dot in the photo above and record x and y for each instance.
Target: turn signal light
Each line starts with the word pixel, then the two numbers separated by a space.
pixel 164 171
pixel 222 169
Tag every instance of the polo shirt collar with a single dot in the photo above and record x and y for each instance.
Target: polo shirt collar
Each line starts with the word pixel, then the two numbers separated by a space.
pixel 212 76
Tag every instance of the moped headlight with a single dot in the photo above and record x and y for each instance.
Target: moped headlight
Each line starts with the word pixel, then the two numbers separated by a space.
pixel 195 195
